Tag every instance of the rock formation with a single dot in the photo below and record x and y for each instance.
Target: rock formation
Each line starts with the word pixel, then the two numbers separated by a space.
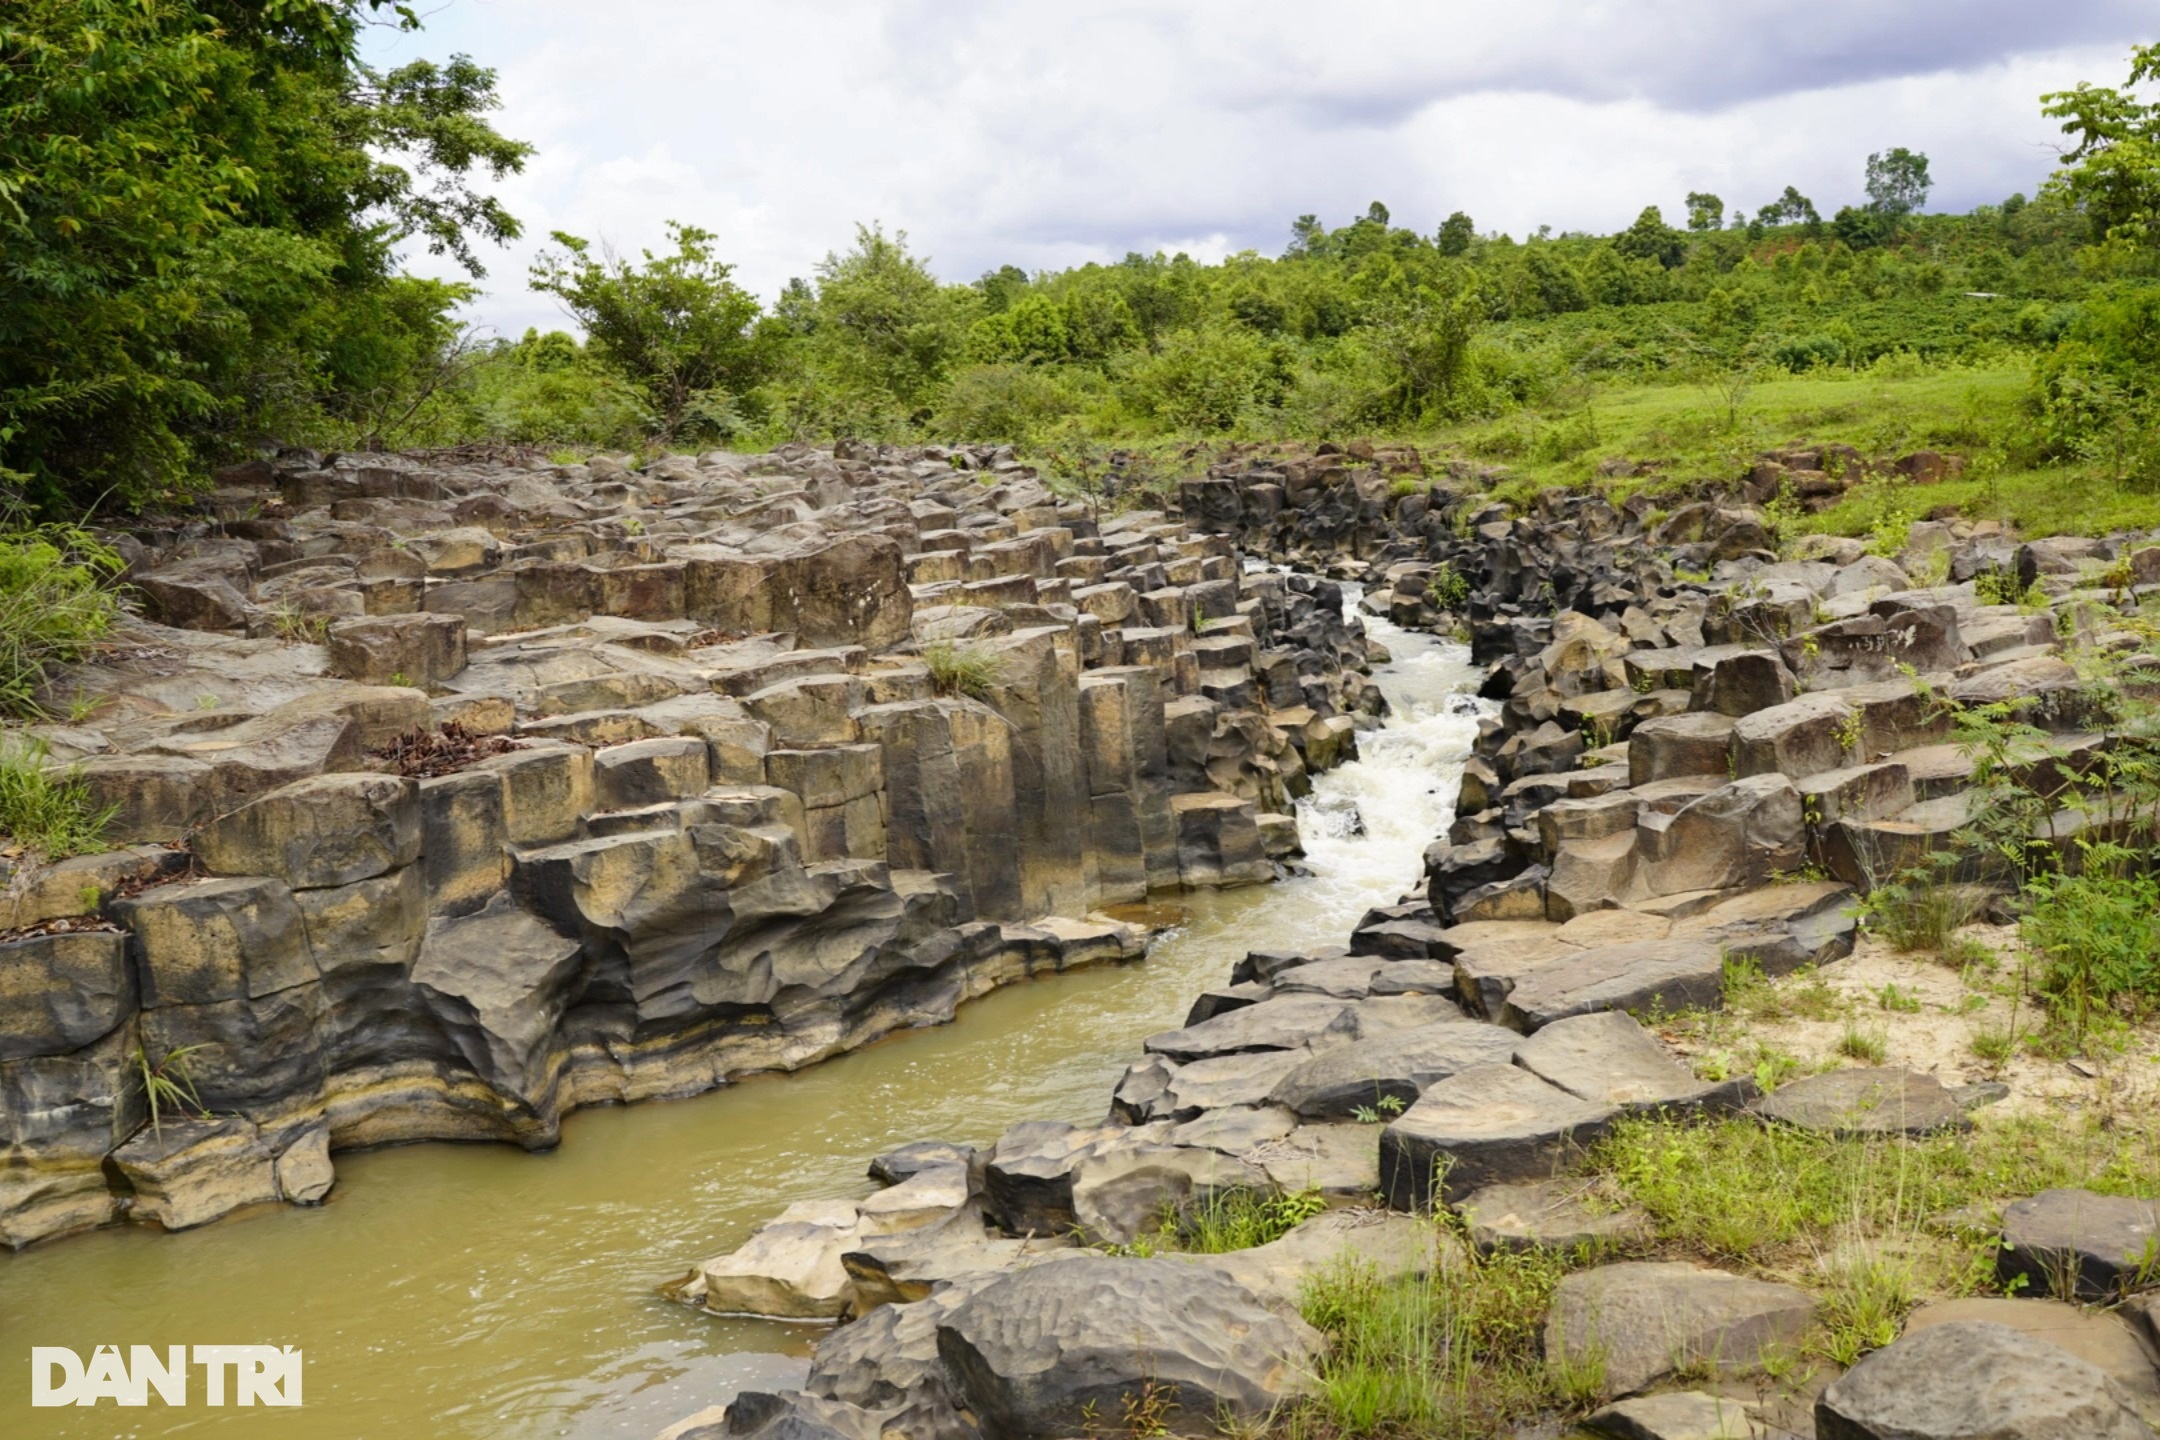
pixel 452 795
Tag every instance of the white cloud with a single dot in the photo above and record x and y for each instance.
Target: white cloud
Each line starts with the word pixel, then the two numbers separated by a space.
pixel 1046 136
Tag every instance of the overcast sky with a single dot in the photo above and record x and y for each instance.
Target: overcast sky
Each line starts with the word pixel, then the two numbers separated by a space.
pixel 1049 134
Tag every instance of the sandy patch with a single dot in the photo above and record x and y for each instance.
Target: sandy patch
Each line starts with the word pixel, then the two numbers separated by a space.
pixel 1954 1009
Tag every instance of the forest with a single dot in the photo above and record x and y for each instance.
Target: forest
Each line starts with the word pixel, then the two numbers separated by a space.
pixel 203 205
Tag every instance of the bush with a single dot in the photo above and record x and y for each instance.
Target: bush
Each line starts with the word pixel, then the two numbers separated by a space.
pixel 1808 352
pixel 2098 936
pixel 56 602
pixel 1207 379
pixel 1015 404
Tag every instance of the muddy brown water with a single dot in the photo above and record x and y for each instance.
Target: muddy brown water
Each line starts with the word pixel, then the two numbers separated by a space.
pixel 477 1291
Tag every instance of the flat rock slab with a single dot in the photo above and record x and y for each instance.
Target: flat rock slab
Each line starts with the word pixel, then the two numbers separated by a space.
pixel 1662 974
pixel 1415 977
pixel 2091 1245
pixel 1486 1125
pixel 2100 1340
pixel 905 1161
pixel 1348 978
pixel 1228 1080
pixel 1646 1320
pixel 1610 1059
pixel 1342 1162
pixel 1547 1215
pixel 1284 1023
pixel 1972 1380
pixel 1046 1350
pixel 1398 1067
pixel 1456 938
pixel 1866 1102
pixel 1236 1130
pixel 1675 1415
pixel 1486 973
pixel 1388 1245
pixel 1125 1191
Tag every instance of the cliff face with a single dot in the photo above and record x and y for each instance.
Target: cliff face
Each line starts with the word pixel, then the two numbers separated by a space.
pixel 453 797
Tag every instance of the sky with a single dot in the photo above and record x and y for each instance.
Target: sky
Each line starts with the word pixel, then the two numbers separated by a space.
pixel 1046 135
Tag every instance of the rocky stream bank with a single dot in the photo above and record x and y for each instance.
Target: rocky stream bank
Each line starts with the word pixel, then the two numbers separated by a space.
pixel 449 797
pixel 1703 755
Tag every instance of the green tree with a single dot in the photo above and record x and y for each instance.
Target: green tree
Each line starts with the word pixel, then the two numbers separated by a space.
pixel 1456 233
pixel 1790 208
pixel 675 326
pixel 1704 211
pixel 200 202
pixel 1001 287
pixel 1897 182
pixel 886 330
pixel 1650 238
pixel 2113 174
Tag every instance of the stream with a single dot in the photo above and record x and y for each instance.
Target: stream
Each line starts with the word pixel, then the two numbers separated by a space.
pixel 478 1291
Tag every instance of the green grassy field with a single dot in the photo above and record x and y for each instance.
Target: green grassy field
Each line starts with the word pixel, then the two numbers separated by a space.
pixel 1676 436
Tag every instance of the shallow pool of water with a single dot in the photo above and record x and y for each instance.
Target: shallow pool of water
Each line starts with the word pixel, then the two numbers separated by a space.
pixel 478 1291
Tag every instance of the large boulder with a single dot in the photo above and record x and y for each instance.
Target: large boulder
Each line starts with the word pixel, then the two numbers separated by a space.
pixel 322 831
pixel 1972 1380
pixel 1644 1320
pixel 1051 1349
pixel 2079 1245
pixel 847 591
pixel 1486 1125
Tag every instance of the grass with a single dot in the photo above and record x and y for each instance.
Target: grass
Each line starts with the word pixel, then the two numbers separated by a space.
pixel 1686 428
pixel 57 601
pixel 169 1084
pixel 1869 1046
pixel 1750 995
pixel 1920 911
pixel 47 812
pixel 1222 1221
pixel 1776 1199
pixel 1456 1352
pixel 961 670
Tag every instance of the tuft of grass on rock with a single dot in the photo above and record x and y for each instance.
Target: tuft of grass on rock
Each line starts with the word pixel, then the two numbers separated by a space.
pixel 57 601
pixel 961 670
pixel 46 811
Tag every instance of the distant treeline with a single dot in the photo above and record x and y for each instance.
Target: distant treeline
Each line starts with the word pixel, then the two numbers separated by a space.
pixel 202 201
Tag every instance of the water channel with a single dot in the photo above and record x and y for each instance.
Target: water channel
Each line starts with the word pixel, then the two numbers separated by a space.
pixel 474 1291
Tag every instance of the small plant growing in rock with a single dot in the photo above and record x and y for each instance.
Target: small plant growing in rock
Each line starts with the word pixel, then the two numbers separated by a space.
pixel 1448 589
pixel 48 812
pixel 961 670
pixel 1378 1111
pixel 169 1084
pixel 298 627
pixel 1850 732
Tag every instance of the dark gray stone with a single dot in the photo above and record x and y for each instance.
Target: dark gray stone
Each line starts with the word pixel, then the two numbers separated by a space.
pixel 1665 974
pixel 1338 1082
pixel 1490 1125
pixel 2078 1245
pixel 1972 1380
pixel 1609 1059
pixel 903 1162
pixel 1866 1102
pixel 1045 1351
pixel 1646 1320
